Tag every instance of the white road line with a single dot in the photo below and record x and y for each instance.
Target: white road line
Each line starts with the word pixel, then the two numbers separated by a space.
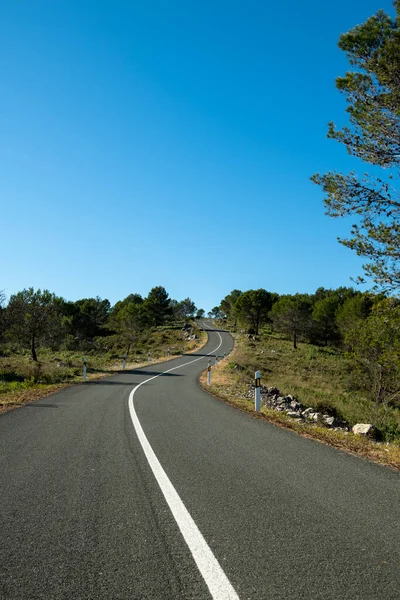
pixel 215 578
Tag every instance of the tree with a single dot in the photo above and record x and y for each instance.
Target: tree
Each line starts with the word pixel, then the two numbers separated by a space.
pixel 129 322
pixel 157 305
pixel 29 315
pixel 89 317
pixel 253 306
pixel 351 312
pixel 228 305
pixel 215 313
pixel 375 343
pixel 372 91
pixel 188 307
pixel 292 315
pixel 200 313
pixel 324 317
pixel 131 299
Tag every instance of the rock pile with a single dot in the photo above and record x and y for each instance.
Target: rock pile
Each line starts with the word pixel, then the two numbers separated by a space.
pixel 187 334
pixel 272 398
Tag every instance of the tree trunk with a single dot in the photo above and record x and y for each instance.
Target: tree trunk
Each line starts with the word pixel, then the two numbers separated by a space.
pixel 127 350
pixel 295 340
pixel 33 349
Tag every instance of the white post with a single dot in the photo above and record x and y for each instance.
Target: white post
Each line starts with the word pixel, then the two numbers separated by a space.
pixel 257 403
pixel 84 369
pixel 124 362
pixel 148 357
pixel 209 373
pixel 169 352
pixel 216 361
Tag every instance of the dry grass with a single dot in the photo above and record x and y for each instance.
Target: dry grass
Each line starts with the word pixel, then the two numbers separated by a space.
pixel 226 385
pixel 14 396
pixel 319 377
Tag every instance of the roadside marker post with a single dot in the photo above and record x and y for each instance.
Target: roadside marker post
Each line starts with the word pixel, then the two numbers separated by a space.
pixel 169 352
pixel 257 403
pixel 148 357
pixel 209 372
pixel 216 361
pixel 84 369
pixel 124 362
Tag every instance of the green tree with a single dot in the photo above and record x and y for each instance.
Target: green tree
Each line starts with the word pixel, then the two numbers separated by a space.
pixel 291 315
pixel 200 313
pixel 177 313
pixel 88 319
pixel 157 305
pixel 129 322
pixel 375 343
pixel 252 308
pixel 372 91
pixel 215 313
pixel 188 307
pixel 131 299
pixel 29 315
pixel 228 305
pixel 351 312
pixel 324 317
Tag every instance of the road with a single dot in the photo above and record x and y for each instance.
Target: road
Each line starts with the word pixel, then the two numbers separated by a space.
pixel 245 509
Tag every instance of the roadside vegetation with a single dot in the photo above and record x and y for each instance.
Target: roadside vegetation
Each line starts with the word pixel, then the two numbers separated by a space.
pixel 232 387
pixel 337 351
pixel 44 339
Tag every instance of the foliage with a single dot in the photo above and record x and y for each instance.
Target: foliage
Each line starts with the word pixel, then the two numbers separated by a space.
pixel 375 343
pixel 228 305
pixel 188 308
pixel 324 317
pixel 372 91
pixel 351 312
pixel 128 322
pixel 291 315
pixel 29 316
pixel 252 308
pixel 41 319
pixel 131 299
pixel 157 306
pixel 318 376
pixel 215 313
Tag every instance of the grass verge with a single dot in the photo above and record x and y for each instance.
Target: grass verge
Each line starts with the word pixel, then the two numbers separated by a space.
pixel 229 387
pixel 22 381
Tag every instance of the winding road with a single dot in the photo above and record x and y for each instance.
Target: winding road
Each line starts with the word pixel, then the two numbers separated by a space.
pixel 142 486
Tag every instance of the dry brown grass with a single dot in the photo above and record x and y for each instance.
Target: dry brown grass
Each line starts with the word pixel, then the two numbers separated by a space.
pixel 16 398
pixel 227 386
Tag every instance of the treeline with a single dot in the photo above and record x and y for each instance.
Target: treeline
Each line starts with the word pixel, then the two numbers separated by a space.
pixel 363 325
pixel 38 318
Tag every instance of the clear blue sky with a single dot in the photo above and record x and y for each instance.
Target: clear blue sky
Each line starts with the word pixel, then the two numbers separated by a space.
pixel 171 143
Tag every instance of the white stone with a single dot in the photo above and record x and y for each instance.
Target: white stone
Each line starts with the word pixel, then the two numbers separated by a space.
pixel 363 429
pixel 307 412
pixel 317 417
pixel 294 415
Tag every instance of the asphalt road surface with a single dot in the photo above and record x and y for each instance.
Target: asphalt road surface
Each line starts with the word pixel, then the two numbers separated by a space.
pixel 109 490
